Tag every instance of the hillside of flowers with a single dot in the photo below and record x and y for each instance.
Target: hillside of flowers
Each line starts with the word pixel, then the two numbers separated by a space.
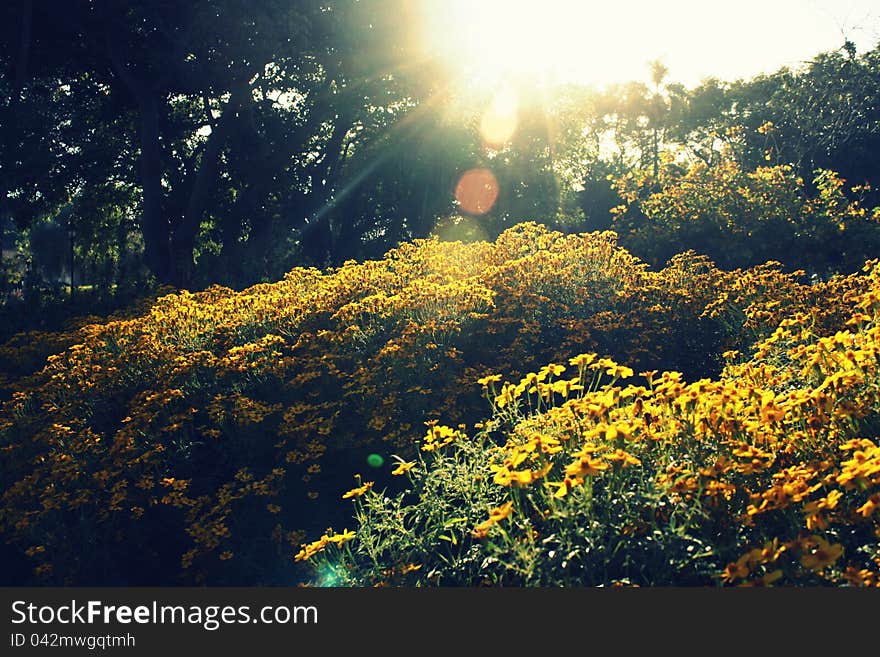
pixel 548 409
pixel 586 475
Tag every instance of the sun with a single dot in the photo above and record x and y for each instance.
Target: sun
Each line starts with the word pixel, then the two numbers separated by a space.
pixel 551 41
pixel 605 42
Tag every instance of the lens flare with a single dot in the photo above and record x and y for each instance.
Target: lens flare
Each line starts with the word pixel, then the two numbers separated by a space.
pixel 477 191
pixel 327 576
pixel 499 121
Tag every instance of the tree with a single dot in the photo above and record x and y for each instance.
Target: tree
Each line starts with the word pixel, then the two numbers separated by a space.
pixel 244 113
pixel 825 115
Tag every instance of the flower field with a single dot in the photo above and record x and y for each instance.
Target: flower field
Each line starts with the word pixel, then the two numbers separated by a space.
pixel 550 411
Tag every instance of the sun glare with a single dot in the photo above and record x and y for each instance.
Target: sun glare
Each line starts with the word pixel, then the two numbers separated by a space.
pixel 602 43
pixel 500 118
pixel 496 39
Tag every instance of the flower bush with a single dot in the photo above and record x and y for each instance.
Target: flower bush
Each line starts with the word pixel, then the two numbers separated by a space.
pixel 204 438
pixel 742 218
pixel 588 475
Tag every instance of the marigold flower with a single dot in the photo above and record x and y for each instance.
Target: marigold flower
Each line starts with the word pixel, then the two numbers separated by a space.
pixel 528 477
pixel 870 506
pixel 586 467
pixel 339 539
pixel 482 530
pixel 499 514
pixel 624 458
pixel 819 553
pixel 861 577
pixel 619 371
pixel 357 492
pixel 737 570
pixel 582 360
pixel 403 467
pixel 563 488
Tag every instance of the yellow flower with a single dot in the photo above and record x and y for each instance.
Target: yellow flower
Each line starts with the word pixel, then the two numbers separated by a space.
pixel 311 549
pixel 482 530
pixel 552 369
pixel 618 431
pixel 439 436
pixel 620 371
pixel 403 467
pixel 582 360
pixel 870 506
pixel 586 467
pixel 625 458
pixel 339 539
pixel 649 375
pixel 495 516
pixel 499 514
pixel 738 570
pixel 357 492
pixel 527 477
pixel 508 395
pixel 175 484
pixel 863 577
pixel 563 487
pixel 819 553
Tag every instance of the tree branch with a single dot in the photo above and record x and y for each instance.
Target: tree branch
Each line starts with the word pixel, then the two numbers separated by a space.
pixel 134 85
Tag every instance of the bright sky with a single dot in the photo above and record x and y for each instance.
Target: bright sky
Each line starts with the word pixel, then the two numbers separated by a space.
pixel 612 41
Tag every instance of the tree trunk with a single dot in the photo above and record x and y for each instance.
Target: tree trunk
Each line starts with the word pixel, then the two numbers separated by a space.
pixel 155 227
pixel 656 154
pixel 256 251
pixel 154 224
pixel 22 65
pixel 183 240
pixel 121 255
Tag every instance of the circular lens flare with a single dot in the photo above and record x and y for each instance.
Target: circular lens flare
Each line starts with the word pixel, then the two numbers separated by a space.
pixel 477 191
